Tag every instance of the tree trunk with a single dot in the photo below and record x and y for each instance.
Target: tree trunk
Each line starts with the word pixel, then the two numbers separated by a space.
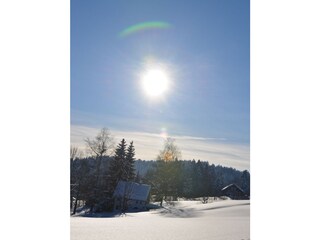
pixel 97 184
pixel 71 201
pixel 75 205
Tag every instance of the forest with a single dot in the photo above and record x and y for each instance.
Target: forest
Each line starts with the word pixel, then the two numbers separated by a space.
pixel 94 178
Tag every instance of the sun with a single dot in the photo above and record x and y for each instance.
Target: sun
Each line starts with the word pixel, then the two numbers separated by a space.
pixel 155 82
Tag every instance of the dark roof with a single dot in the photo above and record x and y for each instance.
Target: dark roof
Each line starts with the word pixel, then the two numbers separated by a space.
pixel 232 185
pixel 133 190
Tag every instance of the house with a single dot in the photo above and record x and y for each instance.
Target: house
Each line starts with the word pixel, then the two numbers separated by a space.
pixel 233 191
pixel 131 196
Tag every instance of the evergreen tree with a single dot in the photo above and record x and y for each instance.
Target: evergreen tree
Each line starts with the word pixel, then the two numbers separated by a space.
pixel 219 183
pixel 207 187
pixel 130 171
pixel 187 180
pixel 118 169
pixel 212 179
pixel 197 184
pixel 245 182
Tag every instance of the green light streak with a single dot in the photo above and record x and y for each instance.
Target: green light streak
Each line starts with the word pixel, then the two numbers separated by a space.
pixel 144 26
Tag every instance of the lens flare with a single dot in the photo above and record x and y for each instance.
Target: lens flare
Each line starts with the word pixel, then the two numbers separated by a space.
pixel 144 26
pixel 164 133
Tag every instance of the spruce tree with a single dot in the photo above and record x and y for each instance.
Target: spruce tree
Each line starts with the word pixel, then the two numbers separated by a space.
pixel 118 169
pixel 245 182
pixel 130 171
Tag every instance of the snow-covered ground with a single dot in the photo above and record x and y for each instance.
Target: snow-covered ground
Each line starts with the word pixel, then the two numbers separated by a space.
pixel 220 220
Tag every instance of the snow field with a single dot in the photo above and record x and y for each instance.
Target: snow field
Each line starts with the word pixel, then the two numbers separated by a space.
pixel 185 220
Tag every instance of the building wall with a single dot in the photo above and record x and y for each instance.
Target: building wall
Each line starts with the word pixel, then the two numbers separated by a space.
pixel 234 193
pixel 132 204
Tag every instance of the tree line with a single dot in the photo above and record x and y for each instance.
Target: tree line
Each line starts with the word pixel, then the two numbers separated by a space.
pixel 192 179
pixel 94 178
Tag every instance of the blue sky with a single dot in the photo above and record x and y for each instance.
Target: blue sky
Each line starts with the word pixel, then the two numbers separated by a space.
pixel 206 53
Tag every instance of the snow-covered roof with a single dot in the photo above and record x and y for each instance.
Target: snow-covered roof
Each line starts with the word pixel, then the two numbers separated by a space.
pixel 230 185
pixel 132 190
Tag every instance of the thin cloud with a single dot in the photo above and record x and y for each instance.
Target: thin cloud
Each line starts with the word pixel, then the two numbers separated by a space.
pixel 214 150
pixel 197 138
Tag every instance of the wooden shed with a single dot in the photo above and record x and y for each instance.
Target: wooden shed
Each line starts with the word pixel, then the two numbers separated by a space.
pixel 233 191
pixel 131 196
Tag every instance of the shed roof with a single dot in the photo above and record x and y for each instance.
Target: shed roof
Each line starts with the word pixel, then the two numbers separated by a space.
pixel 232 185
pixel 132 190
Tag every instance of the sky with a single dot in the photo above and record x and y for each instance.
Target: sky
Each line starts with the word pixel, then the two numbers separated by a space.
pixel 204 51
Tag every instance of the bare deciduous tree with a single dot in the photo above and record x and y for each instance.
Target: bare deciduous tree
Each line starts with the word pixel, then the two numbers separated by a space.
pixel 170 151
pixel 75 178
pixel 73 152
pixel 100 146
pixel 167 171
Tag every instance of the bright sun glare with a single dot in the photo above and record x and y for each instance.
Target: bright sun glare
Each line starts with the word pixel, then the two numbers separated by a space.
pixel 155 82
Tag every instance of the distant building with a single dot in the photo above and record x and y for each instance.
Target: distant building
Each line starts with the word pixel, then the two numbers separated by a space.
pixel 131 196
pixel 233 191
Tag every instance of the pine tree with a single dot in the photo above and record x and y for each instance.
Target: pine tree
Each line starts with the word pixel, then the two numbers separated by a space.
pixel 118 170
pixel 245 182
pixel 130 171
pixel 207 188
pixel 219 183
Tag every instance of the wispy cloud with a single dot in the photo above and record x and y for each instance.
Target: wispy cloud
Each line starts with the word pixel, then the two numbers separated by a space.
pixel 213 150
pixel 198 138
